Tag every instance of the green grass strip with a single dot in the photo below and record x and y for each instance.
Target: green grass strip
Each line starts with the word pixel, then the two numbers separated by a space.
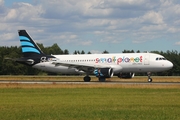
pixel 89 103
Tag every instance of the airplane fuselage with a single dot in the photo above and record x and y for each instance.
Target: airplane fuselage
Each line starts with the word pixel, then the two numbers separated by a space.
pixel 124 62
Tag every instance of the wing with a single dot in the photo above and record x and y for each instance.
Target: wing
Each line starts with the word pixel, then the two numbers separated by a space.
pixel 81 66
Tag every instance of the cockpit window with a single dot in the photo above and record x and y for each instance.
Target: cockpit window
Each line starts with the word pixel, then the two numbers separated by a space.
pixel 161 58
pixel 164 58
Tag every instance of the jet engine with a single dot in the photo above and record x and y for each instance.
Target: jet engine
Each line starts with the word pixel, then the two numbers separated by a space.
pixel 104 72
pixel 126 75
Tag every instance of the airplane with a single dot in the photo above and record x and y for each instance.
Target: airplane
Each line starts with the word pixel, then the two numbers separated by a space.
pixel 103 66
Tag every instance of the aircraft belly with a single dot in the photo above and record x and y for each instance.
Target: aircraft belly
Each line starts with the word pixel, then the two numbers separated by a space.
pixel 131 68
pixel 142 69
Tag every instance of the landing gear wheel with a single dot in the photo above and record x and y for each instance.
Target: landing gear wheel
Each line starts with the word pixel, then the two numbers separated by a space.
pixel 149 79
pixel 87 79
pixel 102 79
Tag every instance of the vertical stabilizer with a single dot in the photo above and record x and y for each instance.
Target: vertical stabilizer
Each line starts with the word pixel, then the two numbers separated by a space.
pixel 29 47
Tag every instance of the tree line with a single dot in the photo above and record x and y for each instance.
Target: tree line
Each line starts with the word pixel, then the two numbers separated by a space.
pixel 8 67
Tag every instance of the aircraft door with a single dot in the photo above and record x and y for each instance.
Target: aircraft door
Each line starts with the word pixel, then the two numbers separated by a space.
pixel 146 60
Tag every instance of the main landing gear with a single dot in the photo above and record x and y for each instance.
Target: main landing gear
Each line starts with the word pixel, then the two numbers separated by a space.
pixel 102 79
pixel 149 77
pixel 88 79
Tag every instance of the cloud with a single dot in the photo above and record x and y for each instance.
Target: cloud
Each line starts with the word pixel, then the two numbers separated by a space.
pixel 2 8
pixel 152 18
pixel 69 8
pixel 23 12
pixel 85 43
pixel 84 22
pixel 7 36
pixel 1 2
pixel 177 43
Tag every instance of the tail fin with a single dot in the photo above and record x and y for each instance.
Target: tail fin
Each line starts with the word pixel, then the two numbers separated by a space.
pixel 29 47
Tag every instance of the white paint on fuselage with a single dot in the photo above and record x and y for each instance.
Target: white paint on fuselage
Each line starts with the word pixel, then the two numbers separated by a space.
pixel 123 62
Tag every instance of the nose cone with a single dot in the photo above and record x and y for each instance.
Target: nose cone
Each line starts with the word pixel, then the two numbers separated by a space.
pixel 169 65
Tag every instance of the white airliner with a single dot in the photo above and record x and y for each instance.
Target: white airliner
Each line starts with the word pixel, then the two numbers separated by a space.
pixel 101 65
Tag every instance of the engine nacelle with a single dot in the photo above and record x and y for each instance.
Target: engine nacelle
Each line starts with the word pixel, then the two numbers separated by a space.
pixel 104 72
pixel 126 75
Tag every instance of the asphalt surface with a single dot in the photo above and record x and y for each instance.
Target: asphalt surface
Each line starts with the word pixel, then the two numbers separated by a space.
pixel 93 82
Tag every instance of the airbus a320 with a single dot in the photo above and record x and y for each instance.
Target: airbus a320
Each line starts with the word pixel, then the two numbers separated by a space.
pixel 103 66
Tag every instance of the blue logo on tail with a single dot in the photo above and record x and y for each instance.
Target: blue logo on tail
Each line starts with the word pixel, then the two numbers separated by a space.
pixel 27 45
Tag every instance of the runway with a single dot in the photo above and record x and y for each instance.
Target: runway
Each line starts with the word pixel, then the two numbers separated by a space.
pixel 85 83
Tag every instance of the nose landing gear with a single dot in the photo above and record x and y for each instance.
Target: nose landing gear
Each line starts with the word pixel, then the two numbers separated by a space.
pixel 149 77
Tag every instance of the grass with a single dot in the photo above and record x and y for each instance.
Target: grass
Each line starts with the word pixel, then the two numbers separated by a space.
pixel 89 101
pixel 42 102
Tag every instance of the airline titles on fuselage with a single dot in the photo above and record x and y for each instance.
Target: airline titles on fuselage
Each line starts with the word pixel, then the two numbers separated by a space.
pixel 114 59
pixel 119 60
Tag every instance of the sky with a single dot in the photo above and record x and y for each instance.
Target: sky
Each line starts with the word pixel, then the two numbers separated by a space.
pixel 93 25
